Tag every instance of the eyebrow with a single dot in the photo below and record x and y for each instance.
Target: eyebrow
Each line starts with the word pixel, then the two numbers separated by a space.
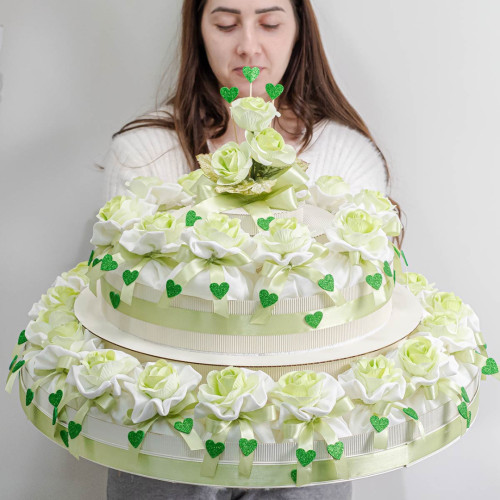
pixel 236 11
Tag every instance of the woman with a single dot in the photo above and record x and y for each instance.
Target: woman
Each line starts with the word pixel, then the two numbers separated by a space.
pixel 219 37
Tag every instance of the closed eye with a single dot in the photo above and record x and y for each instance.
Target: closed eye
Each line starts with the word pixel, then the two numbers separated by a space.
pixel 230 27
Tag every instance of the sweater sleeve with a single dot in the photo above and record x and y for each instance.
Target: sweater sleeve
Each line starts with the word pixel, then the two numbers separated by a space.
pixel 148 151
pixel 348 153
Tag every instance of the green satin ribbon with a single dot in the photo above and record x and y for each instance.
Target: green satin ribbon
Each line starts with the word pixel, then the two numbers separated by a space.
pixel 220 429
pixel 264 475
pixel 278 324
pixel 95 273
pixel 302 432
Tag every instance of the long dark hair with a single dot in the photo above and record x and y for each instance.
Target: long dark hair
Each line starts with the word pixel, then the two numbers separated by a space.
pixel 311 92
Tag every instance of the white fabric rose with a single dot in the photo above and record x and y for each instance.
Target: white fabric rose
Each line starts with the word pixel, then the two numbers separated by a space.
pixel 159 387
pixel 330 192
pixel 231 163
pixel 155 191
pixel 253 113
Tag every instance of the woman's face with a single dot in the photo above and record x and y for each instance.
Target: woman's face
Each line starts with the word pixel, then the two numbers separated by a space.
pixel 252 33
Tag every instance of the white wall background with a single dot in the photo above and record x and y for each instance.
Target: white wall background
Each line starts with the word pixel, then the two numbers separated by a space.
pixel 425 77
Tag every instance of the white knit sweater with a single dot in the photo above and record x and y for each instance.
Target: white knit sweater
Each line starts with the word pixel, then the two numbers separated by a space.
pixel 334 150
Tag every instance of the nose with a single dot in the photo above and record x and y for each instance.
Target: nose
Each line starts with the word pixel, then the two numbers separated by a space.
pixel 248 43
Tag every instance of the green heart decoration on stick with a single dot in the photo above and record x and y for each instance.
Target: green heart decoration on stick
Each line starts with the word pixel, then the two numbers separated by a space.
pixel 327 283
pixel 219 290
pixel 130 276
pixel 95 262
pixel 191 218
pixel 108 264
pixel 29 396
pixel 251 74
pixel 274 91
pixel 336 450
pixel 411 413
pixel 293 475
pixel 490 368
pixel 229 94
pixel 305 457
pixel 379 424
pixel 115 299
pixel 374 281
pixel 214 449
pixel 313 320
pixel 264 223
pixel 247 446
pixel 185 427
pixel 22 338
pixel 64 436
pixel 135 438
pixel 18 365
pixel 267 299
pixel 387 269
pixel 12 362
pixel 173 289
pixel 74 429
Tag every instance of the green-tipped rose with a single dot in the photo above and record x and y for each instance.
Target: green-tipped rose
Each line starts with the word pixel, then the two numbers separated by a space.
pixel 122 209
pixel 445 301
pixel 101 366
pixel 160 380
pixel 332 185
pixel 231 163
pixel 416 282
pixel 285 236
pixel 60 297
pixel 165 222
pixel 419 357
pixel 300 388
pixel 221 229
pixel 375 200
pixel 360 222
pixel 268 148
pixel 253 113
pixel 187 181
pixel 373 373
pixel 140 185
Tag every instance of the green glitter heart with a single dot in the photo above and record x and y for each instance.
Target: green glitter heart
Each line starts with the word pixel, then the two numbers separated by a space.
pixel 219 290
pixel 264 223
pixel 411 413
pixel 91 258
pixel 229 94
pixel 135 438
pixel 465 396
pixel 214 449
pixel 267 299
pixel 55 398
pixel 490 368
pixel 173 289
pixel 130 276
pixel 387 269
pixel 22 338
pixel 95 262
pixel 115 299
pixel 313 320
pixel 305 457
pixel 74 429
pixel 293 475
pixel 469 418
pixel 18 365
pixel 64 436
pixel 462 409
pixel 54 416
pixel 191 218
pixel 247 446
pixel 327 283
pixel 274 91
pixel 108 264
pixel 186 426
pixel 374 281
pixel 397 251
pixel 404 257
pixel 251 74
pixel 14 359
pixel 336 450
pixel 379 424
pixel 29 396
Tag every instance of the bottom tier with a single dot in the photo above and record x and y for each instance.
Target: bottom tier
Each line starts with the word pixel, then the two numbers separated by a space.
pixel 275 464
